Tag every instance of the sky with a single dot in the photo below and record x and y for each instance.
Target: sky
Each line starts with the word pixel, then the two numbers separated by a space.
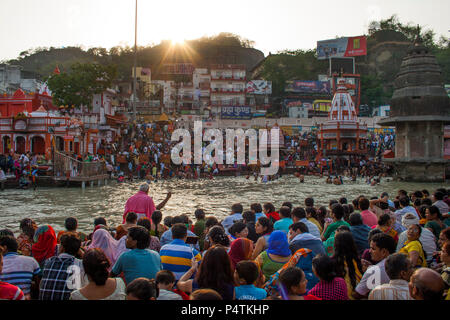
pixel 274 25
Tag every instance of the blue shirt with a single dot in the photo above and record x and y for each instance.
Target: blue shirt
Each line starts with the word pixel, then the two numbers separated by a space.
pixel 138 263
pixel 166 238
pixel 249 292
pixel 176 257
pixel 283 224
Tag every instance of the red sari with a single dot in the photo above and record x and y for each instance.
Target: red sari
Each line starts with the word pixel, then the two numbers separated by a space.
pixel 45 243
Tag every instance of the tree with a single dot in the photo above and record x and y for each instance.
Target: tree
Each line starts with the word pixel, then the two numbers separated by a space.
pixel 78 87
pixel 409 30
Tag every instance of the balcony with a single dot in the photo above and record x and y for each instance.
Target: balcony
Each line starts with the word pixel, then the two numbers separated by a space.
pixel 228 78
pixel 227 103
pixel 185 98
pixel 227 90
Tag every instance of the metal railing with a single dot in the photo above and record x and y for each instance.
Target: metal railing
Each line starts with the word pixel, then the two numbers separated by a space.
pixel 64 164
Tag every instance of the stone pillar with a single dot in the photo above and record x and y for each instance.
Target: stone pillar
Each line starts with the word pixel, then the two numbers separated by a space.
pixel 92 183
pixel 83 184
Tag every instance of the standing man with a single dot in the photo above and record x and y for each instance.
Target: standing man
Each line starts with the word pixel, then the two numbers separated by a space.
pixel 142 204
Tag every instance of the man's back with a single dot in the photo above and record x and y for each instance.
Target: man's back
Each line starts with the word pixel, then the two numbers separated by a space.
pixel 141 204
pixel 138 263
pixel 55 273
pixel 19 270
pixel 176 257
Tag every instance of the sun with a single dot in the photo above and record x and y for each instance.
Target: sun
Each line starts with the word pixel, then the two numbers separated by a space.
pixel 177 40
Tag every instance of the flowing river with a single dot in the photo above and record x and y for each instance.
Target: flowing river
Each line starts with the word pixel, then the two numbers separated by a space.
pixel 54 205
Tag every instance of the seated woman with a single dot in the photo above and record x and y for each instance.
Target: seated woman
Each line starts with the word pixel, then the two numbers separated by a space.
pixel 240 249
pixel 347 262
pixel 276 255
pixel 100 286
pixel 112 248
pixel 130 221
pixel 434 220
pixel 263 228
pixel 413 248
pixel 157 228
pixel 330 286
pixel 25 239
pixel 215 272
pixel 385 224
pixel 293 283
pixel 238 230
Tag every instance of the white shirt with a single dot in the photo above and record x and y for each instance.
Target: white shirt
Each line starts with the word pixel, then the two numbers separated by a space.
pixel 394 290
pixel 401 212
pixel 374 276
pixel 229 221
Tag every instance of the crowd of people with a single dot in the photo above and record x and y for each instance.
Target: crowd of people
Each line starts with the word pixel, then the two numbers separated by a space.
pixel 146 154
pixel 375 248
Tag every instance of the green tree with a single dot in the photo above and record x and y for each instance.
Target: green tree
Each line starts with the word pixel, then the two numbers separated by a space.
pixel 77 87
pixel 409 30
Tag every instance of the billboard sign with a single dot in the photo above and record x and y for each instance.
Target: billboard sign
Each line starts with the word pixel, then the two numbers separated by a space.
pixel 243 112
pixel 300 86
pixel 342 47
pixel 259 87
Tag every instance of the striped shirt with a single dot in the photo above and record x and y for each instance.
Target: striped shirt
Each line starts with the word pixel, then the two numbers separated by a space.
pixel 176 257
pixel 19 270
pixel 394 290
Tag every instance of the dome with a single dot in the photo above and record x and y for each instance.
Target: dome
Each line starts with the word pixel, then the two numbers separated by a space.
pixel 342 106
pixel 419 86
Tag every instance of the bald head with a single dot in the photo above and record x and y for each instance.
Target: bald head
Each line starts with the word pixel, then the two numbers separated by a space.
pixel 144 188
pixel 426 284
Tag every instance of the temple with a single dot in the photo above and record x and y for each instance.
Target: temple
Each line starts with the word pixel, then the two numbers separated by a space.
pixel 420 109
pixel 342 134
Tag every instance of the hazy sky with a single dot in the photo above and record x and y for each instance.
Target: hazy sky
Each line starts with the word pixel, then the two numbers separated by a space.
pixel 274 25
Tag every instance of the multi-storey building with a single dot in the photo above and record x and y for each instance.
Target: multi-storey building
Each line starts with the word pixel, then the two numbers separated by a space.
pixel 228 83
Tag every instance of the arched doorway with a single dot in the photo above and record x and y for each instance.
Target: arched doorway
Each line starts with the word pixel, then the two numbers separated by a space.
pixel 20 144
pixel 6 144
pixel 37 145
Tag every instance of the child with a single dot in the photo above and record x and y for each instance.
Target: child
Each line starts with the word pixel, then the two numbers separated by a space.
pixel 292 284
pixel 246 274
pixel 165 279
pixel 142 289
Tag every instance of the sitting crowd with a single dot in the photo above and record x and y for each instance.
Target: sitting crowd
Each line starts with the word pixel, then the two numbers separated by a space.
pixel 370 248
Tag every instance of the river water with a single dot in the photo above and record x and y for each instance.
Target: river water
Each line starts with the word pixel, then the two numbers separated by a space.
pixel 53 205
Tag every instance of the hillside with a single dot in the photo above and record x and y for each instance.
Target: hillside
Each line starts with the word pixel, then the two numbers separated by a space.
pixel 222 49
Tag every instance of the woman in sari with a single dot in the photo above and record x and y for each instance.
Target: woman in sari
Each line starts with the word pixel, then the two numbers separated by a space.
pixel 347 263
pixel 385 225
pixel 25 239
pixel 112 248
pixel 44 246
pixel 240 249
pixel 413 247
pixel 276 255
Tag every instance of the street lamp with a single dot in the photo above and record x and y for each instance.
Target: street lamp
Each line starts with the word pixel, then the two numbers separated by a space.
pixel 135 54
